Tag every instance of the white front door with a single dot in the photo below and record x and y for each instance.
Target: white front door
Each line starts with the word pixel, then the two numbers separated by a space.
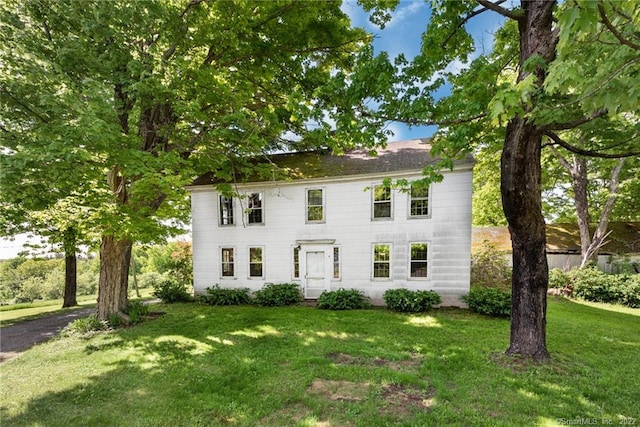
pixel 315 274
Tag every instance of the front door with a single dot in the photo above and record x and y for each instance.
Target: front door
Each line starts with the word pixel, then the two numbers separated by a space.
pixel 315 276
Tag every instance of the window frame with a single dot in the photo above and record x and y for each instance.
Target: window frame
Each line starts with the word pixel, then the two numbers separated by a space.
pixel 425 261
pixel 337 264
pixel 232 262
pixel 221 204
pixel 426 198
pixel 307 206
pixel 375 202
pixel 250 263
pixel 250 210
pixel 374 261
pixel 295 257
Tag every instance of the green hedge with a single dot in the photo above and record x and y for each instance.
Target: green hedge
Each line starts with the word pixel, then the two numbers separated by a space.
pixel 343 299
pixel 489 301
pixel 405 300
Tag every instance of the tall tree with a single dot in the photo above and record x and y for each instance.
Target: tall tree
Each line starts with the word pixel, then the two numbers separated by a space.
pixel 533 86
pixel 164 90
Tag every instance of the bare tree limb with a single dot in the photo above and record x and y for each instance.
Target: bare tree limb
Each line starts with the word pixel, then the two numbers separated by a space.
pixel 464 21
pixel 589 153
pixel 501 10
pixel 614 30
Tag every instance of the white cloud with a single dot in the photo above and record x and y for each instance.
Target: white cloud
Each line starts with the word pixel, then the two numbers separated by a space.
pixel 404 11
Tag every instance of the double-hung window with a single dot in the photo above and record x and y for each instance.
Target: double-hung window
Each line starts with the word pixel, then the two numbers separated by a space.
pixel 315 205
pixel 226 210
pixel 255 209
pixel 419 258
pixel 419 201
pixel 227 256
pixel 381 202
pixel 256 261
pixel 382 261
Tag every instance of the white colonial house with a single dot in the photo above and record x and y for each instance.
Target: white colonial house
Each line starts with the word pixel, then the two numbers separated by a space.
pixel 331 224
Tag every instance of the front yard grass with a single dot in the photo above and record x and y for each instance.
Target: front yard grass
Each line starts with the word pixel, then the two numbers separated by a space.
pixel 250 366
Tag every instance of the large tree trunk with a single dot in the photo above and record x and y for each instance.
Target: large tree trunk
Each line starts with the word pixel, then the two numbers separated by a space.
pixel 115 256
pixel 521 197
pixel 70 271
pixel 522 204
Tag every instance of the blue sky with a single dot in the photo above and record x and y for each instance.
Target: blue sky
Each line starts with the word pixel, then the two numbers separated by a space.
pixel 402 34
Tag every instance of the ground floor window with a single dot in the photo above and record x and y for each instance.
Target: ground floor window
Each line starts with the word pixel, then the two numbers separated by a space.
pixel 228 262
pixel 336 262
pixel 382 261
pixel 419 260
pixel 296 262
pixel 256 262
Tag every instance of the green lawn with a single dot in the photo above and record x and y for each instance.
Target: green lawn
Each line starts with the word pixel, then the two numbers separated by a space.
pixel 250 366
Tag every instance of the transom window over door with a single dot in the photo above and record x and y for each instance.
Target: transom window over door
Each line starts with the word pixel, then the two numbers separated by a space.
pixel 419 201
pixel 255 209
pixel 419 260
pixel 382 261
pixel 226 210
pixel 315 205
pixel 381 202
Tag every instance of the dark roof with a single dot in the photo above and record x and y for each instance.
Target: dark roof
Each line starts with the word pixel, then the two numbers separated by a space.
pixel 396 156
pixel 565 238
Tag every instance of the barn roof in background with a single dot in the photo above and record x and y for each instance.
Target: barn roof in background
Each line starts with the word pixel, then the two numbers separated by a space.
pixel 565 238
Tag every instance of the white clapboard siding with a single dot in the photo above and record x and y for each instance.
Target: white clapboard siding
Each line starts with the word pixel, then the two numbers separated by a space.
pixel 348 225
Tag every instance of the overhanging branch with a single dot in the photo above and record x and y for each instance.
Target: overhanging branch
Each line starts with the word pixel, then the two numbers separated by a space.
pixel 575 123
pixel 614 30
pixel 501 10
pixel 589 153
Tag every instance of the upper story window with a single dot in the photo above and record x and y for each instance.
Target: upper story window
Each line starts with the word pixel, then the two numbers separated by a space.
pixel 419 260
pixel 381 202
pixel 256 262
pixel 382 261
pixel 226 210
pixel 315 205
pixel 255 209
pixel 227 256
pixel 419 201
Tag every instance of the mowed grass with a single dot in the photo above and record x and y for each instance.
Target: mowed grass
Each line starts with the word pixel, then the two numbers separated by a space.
pixel 251 366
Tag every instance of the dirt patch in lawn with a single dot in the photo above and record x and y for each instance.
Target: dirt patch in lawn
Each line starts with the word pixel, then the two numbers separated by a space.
pixel 399 400
pixel 396 365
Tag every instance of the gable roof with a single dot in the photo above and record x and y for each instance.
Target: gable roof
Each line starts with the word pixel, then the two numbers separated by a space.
pixel 399 156
pixel 565 238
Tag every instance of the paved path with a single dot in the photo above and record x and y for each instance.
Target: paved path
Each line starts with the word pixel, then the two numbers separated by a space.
pixel 24 335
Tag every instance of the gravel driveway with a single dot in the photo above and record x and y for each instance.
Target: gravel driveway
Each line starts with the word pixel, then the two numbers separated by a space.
pixel 24 335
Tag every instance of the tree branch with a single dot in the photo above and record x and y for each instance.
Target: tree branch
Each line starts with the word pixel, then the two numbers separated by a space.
pixel 465 20
pixel 589 153
pixel 501 10
pixel 575 123
pixel 614 30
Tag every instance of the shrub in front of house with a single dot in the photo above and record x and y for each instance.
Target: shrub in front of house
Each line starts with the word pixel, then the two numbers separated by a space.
pixel 343 299
pixel 489 301
pixel 171 290
pixel 225 296
pixel 278 294
pixel 407 301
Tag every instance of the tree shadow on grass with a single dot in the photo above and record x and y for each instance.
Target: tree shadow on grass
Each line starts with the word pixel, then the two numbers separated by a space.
pixel 254 366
